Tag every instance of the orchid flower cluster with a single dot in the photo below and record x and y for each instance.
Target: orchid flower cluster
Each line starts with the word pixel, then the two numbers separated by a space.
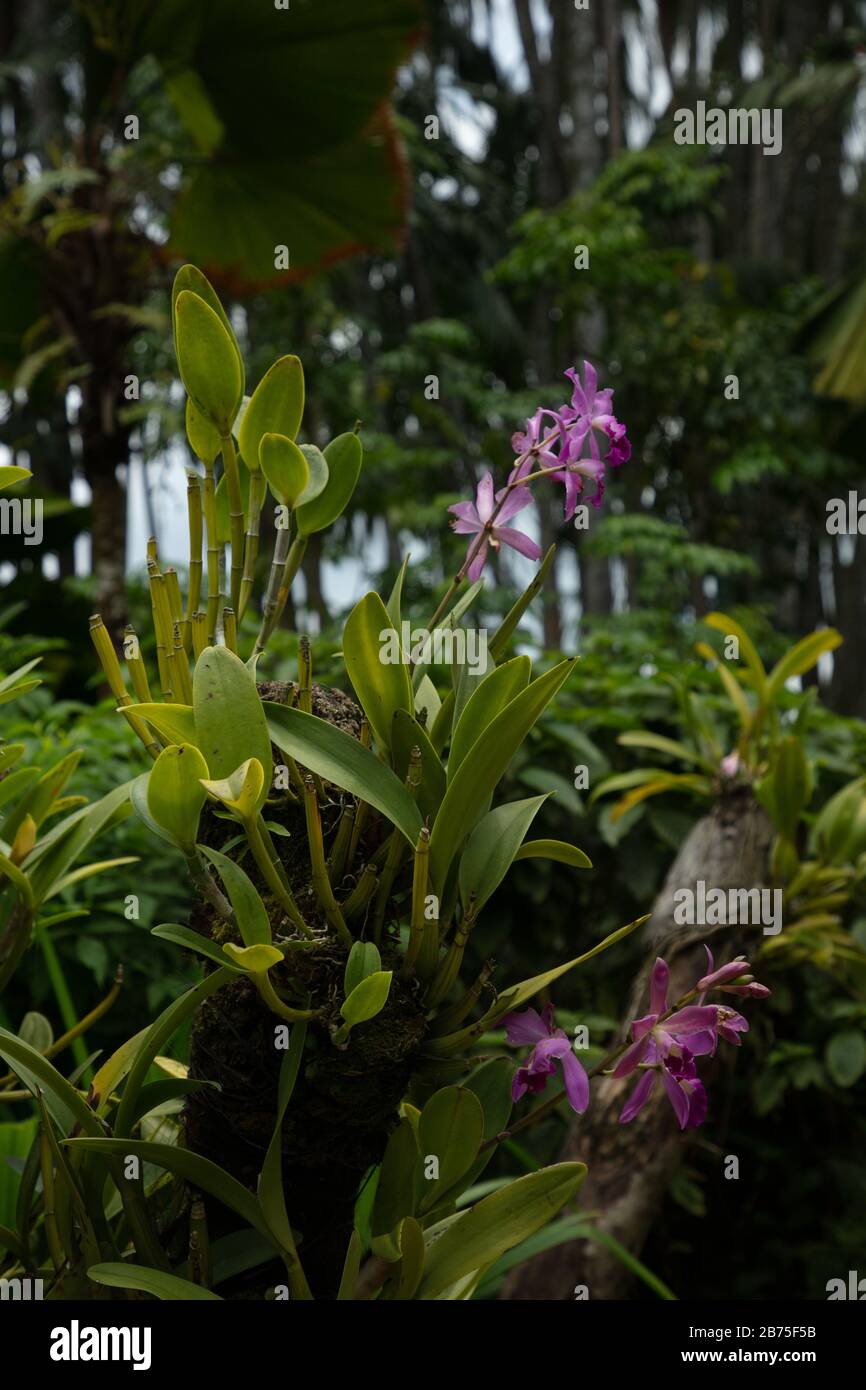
pixel 664 1043
pixel 561 444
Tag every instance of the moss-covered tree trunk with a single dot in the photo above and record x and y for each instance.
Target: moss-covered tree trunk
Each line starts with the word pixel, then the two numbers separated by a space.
pixel 345 1100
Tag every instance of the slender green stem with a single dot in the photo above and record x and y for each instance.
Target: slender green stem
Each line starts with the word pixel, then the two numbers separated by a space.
pixel 236 516
pixel 213 555
pixel 258 492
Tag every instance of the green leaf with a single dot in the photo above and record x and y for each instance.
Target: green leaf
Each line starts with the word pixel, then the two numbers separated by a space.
pixel 175 723
pixel 497 1223
pixel 395 600
pixel 374 662
pixel 518 995
pixel 341 759
pixel 351 1269
pixel 285 468
pixel 483 766
pixel 492 846
pixel 66 1104
pixel 252 917
pixel 190 278
pixel 207 361
pixel 272 1196
pixel 395 1193
pixel 192 941
pixel 344 457
pixel 846 1056
pixel 230 722
pixel 167 1287
pixel 791 785
pixel 491 1083
pixel 255 960
pixel 802 657
pixel 367 998
pixel 200 1172
pixel 68 840
pixel 136 1060
pixel 275 407
pixel 364 960
pixel 203 439
pixel 724 623
pixel 242 791
pixel 557 850
pixel 489 698
pixel 318 481
pixel 639 738
pixel 450 1129
pixel 10 474
pixel 175 794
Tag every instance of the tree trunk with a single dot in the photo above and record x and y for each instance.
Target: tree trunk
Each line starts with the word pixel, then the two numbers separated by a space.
pixel 630 1166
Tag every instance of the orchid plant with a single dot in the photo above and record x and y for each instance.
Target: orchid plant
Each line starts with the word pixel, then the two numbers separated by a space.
pixel 341 849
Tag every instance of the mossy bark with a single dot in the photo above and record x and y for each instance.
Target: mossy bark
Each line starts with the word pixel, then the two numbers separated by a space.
pixel 345 1100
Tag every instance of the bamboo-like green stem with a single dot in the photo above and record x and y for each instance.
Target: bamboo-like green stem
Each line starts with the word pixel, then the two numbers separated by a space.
pixel 417 920
pixel 200 1267
pixel 135 665
pixel 365 737
pixel 236 515
pixel 305 699
pixel 175 602
pixel 214 550
pixel 163 628
pixel 321 882
pixel 446 976
pixel 451 1018
pixel 199 634
pixel 272 871
pixel 116 684
pixel 181 667
pixel 293 564
pixel 362 894
pixel 397 850
pixel 230 630
pixel 194 520
pixel 340 846
pixel 258 493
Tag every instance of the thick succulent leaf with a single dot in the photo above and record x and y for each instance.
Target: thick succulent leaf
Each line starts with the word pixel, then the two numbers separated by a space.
pixel 371 650
pixel 344 457
pixel 496 1224
pixel 450 1129
pixel 492 847
pixel 518 995
pixel 230 722
pixel 275 407
pixel 492 694
pixel 175 794
pixel 484 764
pixel 341 759
pixel 252 917
pixel 166 1287
pixel 557 850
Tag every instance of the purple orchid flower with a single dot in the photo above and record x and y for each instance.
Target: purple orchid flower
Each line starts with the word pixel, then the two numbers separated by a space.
pixel 693 1028
pixel 549 1045
pixel 667 1047
pixel 683 1088
pixel 475 519
pixel 591 411
pixel 568 446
